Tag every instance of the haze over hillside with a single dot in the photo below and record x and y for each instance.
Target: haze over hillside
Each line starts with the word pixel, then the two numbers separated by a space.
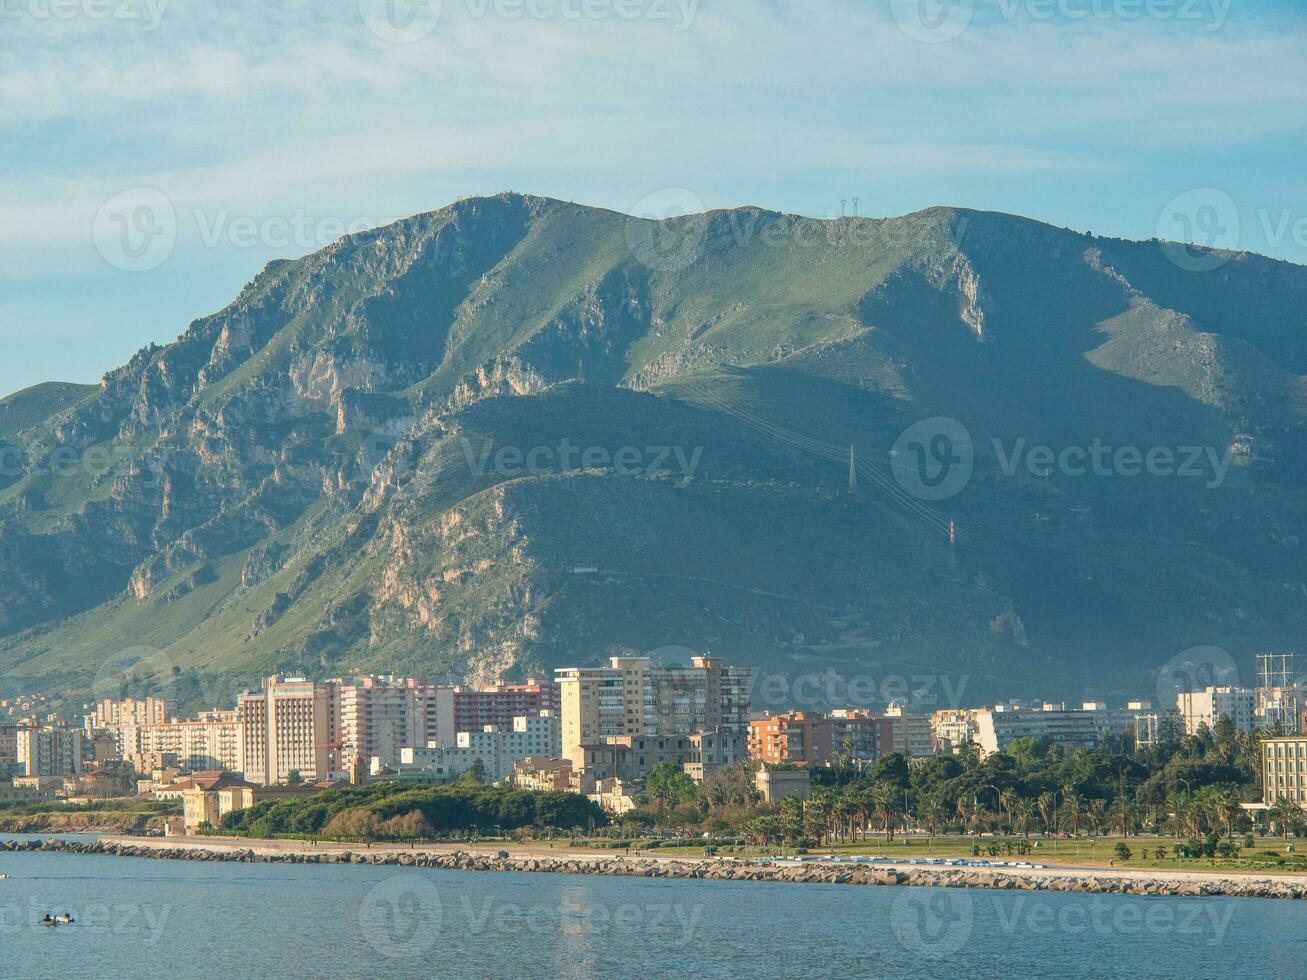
pixel 515 433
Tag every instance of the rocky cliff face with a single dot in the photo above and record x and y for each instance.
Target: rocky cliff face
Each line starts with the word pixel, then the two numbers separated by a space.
pixel 364 460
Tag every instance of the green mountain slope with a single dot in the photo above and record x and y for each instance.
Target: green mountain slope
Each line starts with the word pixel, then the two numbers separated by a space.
pixel 363 461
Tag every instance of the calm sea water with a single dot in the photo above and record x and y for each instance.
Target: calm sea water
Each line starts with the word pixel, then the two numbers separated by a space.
pixel 138 917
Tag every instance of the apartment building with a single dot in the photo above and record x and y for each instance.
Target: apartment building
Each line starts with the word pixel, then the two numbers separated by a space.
pixel 288 726
pixel 1284 769
pixel 208 742
pixel 630 697
pixel 1208 706
pixel 49 752
pixel 109 714
pixel 810 738
pixel 8 746
pixel 379 716
pixel 498 750
pixel 475 708
pixel 906 733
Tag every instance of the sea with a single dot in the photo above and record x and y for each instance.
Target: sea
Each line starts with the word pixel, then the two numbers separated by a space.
pixel 138 917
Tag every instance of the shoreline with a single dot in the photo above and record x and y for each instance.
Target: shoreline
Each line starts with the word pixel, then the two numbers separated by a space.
pixel 539 860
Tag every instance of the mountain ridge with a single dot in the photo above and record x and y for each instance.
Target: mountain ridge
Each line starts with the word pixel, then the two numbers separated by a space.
pixel 284 485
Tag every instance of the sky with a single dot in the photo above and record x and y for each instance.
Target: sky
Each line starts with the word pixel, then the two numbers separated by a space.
pixel 155 154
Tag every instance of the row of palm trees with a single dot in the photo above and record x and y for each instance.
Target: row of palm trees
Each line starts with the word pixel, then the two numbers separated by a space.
pixel 848 813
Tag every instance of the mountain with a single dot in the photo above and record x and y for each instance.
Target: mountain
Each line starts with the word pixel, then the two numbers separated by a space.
pixel 376 458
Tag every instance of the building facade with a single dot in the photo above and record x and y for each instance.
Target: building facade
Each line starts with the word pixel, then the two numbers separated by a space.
pixel 498 750
pixel 1284 769
pixel 630 697
pixel 51 752
pixel 288 727
pixel 1205 708
pixel 379 716
pixel 475 708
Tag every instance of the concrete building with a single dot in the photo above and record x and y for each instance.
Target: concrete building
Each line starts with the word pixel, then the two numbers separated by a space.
pixel 775 785
pixel 288 726
pixel 908 734
pixel 209 742
pixel 810 738
pixel 1284 769
pixel 498 750
pixel 800 738
pixel 1206 707
pixel 379 716
pixel 712 752
pixel 109 714
pixel 475 708
pixel 630 698
pixel 8 747
pixel 998 727
pixel 49 752
pixel 542 774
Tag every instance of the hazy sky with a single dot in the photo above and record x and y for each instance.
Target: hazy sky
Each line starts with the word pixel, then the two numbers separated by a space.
pixel 154 155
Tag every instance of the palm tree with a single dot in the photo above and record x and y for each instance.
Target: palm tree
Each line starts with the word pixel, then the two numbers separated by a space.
pixel 1097 815
pixel 1047 804
pixel 1123 815
pixel 1074 806
pixel 1285 814
pixel 1006 800
pixel 1022 811
pixel 887 805
pixel 1223 807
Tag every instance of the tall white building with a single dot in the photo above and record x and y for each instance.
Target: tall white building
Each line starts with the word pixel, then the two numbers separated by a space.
pixel 289 726
pixel 1206 707
pixel 379 716
pixel 51 751
pixel 497 749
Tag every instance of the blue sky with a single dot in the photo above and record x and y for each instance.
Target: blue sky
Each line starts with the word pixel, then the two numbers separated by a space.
pixel 261 129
